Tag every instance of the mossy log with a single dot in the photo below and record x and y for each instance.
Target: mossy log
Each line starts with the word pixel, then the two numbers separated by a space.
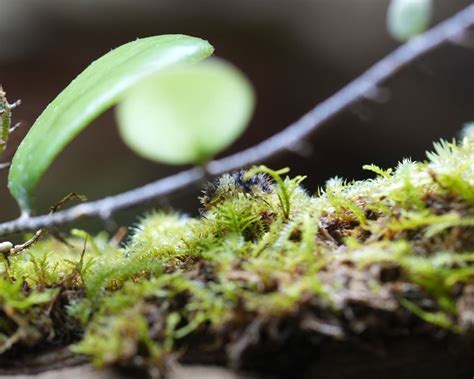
pixel 363 278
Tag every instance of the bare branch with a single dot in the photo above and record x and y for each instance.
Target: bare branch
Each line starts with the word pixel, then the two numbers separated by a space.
pixel 104 208
pixel 5 116
pixel 364 84
pixel 278 143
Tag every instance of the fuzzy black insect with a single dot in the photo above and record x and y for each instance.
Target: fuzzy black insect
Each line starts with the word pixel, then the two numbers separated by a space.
pixel 230 184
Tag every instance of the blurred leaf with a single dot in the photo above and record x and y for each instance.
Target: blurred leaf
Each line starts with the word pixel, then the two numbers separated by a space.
pixel 186 114
pixel 407 18
pixel 95 90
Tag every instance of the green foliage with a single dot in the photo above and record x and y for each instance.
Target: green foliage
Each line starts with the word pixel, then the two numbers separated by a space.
pixel 24 315
pixel 284 189
pixel 341 203
pixel 119 329
pixel 234 219
pixel 186 114
pixel 11 296
pixel 437 318
pixel 379 171
pixel 452 167
pixel 262 253
pixel 96 89
pixel 408 18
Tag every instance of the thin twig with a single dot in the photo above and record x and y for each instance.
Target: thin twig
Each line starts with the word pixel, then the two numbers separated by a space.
pixel 17 249
pixel 278 143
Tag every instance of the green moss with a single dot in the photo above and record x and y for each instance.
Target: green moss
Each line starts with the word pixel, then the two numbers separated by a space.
pixel 401 244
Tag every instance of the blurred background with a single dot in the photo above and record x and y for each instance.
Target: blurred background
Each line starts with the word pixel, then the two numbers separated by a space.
pixel 295 52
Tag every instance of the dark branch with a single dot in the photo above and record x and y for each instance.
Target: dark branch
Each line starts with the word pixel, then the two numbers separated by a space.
pixel 280 142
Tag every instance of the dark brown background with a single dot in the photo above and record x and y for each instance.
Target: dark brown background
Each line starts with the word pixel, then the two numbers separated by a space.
pixel 296 52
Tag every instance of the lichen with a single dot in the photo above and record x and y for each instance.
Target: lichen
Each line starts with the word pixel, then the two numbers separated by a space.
pixel 265 266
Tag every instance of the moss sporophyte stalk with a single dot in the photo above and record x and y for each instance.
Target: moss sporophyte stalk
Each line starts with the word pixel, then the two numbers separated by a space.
pixel 264 264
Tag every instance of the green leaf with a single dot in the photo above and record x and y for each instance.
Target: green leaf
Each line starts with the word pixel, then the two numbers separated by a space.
pixel 188 113
pixel 95 90
pixel 407 18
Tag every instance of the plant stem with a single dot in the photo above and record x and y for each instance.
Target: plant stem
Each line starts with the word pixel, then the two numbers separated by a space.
pixel 276 144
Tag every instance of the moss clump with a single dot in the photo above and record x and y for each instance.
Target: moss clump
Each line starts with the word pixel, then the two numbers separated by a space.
pixel 265 269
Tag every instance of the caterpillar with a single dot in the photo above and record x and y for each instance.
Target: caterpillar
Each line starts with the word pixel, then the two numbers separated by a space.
pixel 230 184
